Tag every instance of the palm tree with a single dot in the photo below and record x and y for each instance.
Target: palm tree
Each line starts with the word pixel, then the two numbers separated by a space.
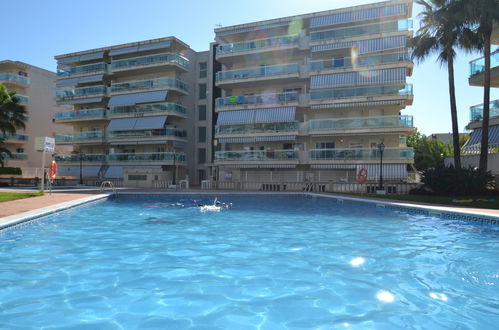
pixel 440 32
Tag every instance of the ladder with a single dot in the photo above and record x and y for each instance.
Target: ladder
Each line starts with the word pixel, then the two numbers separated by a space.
pixel 109 184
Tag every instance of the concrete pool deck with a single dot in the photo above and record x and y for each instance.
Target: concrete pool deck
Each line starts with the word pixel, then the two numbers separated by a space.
pixel 18 211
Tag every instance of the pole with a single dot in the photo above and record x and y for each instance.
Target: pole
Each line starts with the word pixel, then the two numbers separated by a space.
pixel 81 171
pixel 42 186
pixel 174 181
pixel 381 171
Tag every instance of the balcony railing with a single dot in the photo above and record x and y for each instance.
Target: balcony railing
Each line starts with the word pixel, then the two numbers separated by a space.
pixel 256 155
pixel 80 114
pixel 263 71
pixel 88 68
pixel 81 91
pixel 12 77
pixel 83 158
pixel 142 61
pixel 17 137
pixel 154 133
pixel 360 154
pixel 360 91
pixel 15 156
pixel 476 112
pixel 271 128
pixel 148 157
pixel 97 135
pixel 478 65
pixel 259 44
pixel 354 31
pixel 148 84
pixel 147 108
pixel 361 61
pixel 368 122
pixel 22 98
pixel 259 99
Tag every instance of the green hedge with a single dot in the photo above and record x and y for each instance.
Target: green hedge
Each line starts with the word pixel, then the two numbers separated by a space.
pixel 11 170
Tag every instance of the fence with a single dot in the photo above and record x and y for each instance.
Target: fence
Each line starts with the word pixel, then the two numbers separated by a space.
pixel 36 181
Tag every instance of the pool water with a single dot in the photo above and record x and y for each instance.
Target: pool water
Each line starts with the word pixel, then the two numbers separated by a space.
pixel 266 262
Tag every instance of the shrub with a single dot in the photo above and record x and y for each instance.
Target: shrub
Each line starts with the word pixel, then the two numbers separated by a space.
pixel 11 170
pixel 453 181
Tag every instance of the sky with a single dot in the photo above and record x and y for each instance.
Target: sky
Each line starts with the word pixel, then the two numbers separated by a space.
pixel 42 29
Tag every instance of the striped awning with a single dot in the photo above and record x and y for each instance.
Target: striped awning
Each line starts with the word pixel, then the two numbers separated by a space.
pixel 355 78
pixel 80 58
pixel 82 101
pixel 366 46
pixel 140 48
pixel 136 98
pixel 259 166
pixel 257 139
pixel 76 81
pixel 357 104
pixel 359 15
pixel 270 115
pixel 252 28
pixel 137 124
pixel 476 136
pixel 390 171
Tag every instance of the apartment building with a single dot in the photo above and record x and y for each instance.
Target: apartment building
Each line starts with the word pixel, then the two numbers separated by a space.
pixel 139 111
pixel 35 89
pixel 311 98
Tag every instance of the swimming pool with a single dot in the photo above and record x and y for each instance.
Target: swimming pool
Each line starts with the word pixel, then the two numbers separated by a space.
pixel 269 262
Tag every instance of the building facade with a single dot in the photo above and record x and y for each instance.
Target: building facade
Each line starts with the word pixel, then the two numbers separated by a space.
pixel 35 89
pixel 311 98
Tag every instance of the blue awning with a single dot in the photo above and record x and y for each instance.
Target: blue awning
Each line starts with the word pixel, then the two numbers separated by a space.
pixel 355 78
pixel 155 122
pixel 138 48
pixel 135 98
pixel 76 81
pixel 476 136
pixel 66 82
pixel 270 115
pixel 82 101
pixel 80 58
pixel 121 124
pixel 236 117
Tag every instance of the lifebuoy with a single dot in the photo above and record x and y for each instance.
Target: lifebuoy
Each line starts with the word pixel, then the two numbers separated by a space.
pixel 362 176
pixel 53 170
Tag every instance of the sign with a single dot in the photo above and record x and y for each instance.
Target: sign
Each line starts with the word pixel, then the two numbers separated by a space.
pixel 45 144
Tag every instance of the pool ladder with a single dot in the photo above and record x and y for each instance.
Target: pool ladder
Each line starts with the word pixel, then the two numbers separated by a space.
pixel 104 184
pixel 309 187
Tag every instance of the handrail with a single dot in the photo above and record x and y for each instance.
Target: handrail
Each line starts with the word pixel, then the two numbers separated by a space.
pixel 107 183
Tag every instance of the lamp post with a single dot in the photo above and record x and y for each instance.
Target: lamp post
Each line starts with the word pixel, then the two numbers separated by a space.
pixel 381 148
pixel 174 180
pixel 81 167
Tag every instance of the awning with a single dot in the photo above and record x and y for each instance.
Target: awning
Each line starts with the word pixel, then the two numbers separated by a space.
pixel 137 124
pixel 121 124
pixel 355 78
pixel 139 48
pixel 80 58
pixel 270 115
pixel 135 98
pixel 356 104
pixel 476 136
pixel 257 139
pixel 76 81
pixel 236 117
pixel 390 171
pixel 82 101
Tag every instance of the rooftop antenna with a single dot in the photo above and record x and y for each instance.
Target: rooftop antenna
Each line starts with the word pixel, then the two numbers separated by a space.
pixel 218 25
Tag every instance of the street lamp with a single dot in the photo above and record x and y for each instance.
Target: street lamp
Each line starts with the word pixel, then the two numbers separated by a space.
pixel 174 180
pixel 81 167
pixel 381 148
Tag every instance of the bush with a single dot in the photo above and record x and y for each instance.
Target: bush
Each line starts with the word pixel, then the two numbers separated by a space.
pixel 443 180
pixel 11 170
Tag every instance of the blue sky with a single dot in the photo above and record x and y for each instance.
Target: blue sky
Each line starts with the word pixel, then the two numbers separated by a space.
pixel 42 29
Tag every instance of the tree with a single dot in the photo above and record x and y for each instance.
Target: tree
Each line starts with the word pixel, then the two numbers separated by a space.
pixel 428 152
pixel 12 116
pixel 440 32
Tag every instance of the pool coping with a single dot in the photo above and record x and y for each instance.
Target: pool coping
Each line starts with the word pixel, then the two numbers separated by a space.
pixel 19 218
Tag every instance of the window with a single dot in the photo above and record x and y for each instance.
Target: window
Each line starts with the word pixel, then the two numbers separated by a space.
pixel 202 134
pixel 203 70
pixel 201 112
pixel 324 145
pixel 202 91
pixel 201 155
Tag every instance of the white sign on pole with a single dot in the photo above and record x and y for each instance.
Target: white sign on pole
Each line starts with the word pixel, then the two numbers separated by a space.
pixel 45 144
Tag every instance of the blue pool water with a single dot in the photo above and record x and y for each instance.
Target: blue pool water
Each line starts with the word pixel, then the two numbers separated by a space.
pixel 267 262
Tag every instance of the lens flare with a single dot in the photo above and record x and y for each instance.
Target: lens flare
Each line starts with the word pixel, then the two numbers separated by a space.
pixel 295 27
pixel 354 55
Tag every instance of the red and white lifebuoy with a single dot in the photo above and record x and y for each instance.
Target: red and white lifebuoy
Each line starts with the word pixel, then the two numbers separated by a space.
pixel 53 170
pixel 362 176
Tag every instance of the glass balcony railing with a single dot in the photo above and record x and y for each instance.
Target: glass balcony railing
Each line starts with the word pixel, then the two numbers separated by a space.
pixel 478 65
pixel 148 108
pixel 148 84
pixel 23 99
pixel 256 155
pixel 12 77
pixel 88 68
pixel 81 91
pixel 354 31
pixel 263 71
pixel 476 112
pixel 97 135
pixel 80 114
pixel 83 158
pixel 141 61
pixel 360 154
pixel 259 44
pixel 360 91
pixel 257 128
pixel 154 133
pixel 258 99
pixel 17 137
pixel 361 61
pixel 368 122
pixel 15 156
pixel 148 157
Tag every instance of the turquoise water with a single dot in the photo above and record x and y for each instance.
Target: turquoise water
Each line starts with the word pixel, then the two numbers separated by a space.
pixel 266 262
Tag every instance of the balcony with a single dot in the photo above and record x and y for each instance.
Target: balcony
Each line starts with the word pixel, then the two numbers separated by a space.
pixel 69 94
pixel 89 137
pixel 248 156
pixel 363 154
pixel 82 69
pixel 169 157
pixel 476 112
pixel 269 44
pixel 150 84
pixel 359 62
pixel 360 125
pixel 155 134
pixel 270 72
pixel 477 67
pixel 258 129
pixel 13 138
pixel 167 108
pixel 23 99
pixel 369 93
pixel 15 79
pixel 80 115
pixel 15 156
pixel 142 62
pixel 84 158
pixel 269 99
